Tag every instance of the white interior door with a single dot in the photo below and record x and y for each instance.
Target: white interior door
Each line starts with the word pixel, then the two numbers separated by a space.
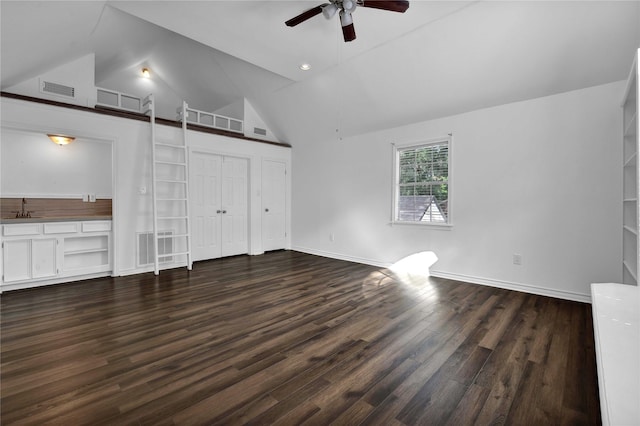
pixel 274 201
pixel 204 188
pixel 219 208
pixel 234 206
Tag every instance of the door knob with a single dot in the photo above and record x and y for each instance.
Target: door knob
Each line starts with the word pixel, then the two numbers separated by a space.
pixel 218 211
pixel 266 210
pixel 224 211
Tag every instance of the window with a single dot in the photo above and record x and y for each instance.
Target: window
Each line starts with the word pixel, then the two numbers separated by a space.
pixel 422 186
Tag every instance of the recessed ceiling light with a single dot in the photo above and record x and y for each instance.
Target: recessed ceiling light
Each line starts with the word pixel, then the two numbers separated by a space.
pixel 305 67
pixel 146 73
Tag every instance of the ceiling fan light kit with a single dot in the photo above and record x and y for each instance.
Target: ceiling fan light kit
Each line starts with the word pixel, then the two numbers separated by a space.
pixel 329 10
pixel 346 8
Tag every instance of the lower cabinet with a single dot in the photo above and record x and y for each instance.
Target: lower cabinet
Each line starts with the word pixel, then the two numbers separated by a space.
pixel 49 252
pixel 44 255
pixel 30 259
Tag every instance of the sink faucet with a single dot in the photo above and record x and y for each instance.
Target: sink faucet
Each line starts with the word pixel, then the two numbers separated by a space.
pixel 23 213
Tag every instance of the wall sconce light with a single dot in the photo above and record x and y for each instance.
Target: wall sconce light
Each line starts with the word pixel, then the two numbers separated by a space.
pixel 61 139
pixel 146 73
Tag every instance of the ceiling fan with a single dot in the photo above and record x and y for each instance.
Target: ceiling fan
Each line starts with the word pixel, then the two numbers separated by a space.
pixel 345 9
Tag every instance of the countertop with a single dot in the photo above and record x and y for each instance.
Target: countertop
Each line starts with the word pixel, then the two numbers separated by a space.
pixel 616 315
pixel 9 221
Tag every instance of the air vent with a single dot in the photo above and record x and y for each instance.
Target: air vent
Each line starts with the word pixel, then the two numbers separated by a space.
pixel 259 131
pixel 145 247
pixel 57 89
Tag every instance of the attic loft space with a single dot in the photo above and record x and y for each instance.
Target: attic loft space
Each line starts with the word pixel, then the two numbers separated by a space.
pixel 74 84
pixel 127 114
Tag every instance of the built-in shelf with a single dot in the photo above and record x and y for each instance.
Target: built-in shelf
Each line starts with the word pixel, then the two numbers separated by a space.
pixel 631 126
pixel 630 183
pixel 76 252
pixel 86 251
pixel 627 266
pixel 631 161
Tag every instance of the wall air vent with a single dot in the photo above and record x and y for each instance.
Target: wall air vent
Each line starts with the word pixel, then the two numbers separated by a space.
pixel 57 89
pixel 259 131
pixel 145 247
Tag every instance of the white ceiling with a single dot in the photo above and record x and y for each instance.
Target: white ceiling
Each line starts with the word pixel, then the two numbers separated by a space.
pixel 438 58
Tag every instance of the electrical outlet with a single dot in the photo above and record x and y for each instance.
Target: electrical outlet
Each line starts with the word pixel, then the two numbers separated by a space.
pixel 85 198
pixel 331 237
pixel 92 198
pixel 517 259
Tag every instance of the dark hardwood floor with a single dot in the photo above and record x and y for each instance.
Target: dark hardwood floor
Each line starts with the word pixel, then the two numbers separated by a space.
pixel 290 338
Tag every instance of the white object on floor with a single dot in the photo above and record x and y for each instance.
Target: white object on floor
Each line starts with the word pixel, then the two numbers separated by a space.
pixel 616 315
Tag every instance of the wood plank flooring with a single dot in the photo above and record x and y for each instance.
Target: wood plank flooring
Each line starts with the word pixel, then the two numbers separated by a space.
pixel 290 338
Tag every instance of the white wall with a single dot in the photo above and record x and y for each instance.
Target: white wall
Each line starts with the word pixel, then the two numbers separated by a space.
pixel 252 120
pixel 541 178
pixel 131 146
pixel 79 74
pixel 33 166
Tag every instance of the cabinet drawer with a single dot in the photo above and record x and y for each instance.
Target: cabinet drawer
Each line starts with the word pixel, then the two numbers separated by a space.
pixel 96 226
pixel 60 228
pixel 22 229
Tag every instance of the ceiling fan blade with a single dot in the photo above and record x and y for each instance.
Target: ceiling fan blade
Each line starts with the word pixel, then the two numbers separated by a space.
pixel 392 5
pixel 305 15
pixel 349 32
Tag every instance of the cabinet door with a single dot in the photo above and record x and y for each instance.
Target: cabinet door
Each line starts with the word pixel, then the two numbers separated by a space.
pixel 44 257
pixel 16 256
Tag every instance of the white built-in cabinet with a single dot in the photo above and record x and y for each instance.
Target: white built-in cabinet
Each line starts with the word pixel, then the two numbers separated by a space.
pixel 616 307
pixel 47 252
pixel 630 184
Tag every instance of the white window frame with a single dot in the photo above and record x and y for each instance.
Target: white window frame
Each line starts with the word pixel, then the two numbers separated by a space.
pixel 397 148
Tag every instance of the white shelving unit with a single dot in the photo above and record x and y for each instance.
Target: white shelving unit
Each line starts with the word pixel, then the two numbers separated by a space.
pixel 89 253
pixel 630 184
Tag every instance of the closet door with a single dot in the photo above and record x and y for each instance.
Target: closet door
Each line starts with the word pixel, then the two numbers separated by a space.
pixel 219 207
pixel 274 203
pixel 204 188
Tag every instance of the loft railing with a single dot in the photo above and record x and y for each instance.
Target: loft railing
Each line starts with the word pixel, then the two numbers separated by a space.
pixel 210 119
pixel 114 99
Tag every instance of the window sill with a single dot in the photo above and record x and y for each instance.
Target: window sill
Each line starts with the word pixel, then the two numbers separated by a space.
pixel 440 226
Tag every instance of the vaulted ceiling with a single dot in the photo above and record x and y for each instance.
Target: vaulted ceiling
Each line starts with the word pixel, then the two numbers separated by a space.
pixel 437 59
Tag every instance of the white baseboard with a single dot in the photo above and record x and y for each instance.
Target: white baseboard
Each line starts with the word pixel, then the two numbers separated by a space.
pixel 525 288
pixel 340 256
pixel 150 268
pixel 59 280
